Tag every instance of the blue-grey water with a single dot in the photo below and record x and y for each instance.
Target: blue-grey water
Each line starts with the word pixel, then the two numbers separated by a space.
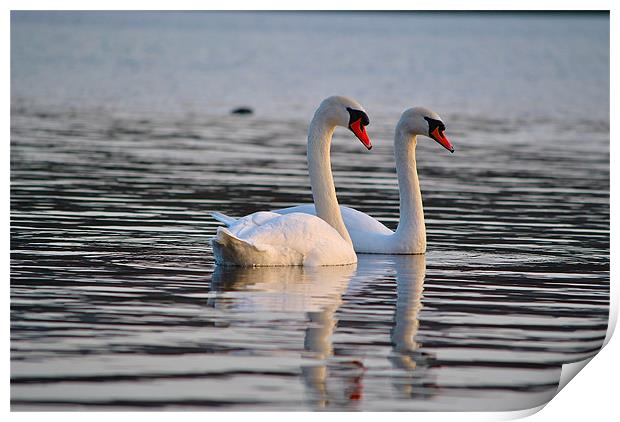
pixel 122 142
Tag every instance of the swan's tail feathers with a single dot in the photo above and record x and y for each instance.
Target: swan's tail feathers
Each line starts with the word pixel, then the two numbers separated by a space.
pixel 223 218
pixel 230 250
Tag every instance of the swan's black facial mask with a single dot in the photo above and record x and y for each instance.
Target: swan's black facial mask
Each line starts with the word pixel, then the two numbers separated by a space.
pixel 358 120
pixel 436 130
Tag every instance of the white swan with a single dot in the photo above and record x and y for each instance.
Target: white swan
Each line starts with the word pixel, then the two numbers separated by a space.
pixel 368 234
pixel 272 239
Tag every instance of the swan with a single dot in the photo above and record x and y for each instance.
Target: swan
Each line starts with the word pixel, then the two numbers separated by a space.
pixel 368 234
pixel 271 239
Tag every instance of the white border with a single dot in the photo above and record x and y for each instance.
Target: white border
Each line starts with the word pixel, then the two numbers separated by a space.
pixel 590 395
pixel 314 5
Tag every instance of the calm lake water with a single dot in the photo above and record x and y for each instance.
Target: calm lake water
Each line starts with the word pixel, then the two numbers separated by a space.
pixel 121 144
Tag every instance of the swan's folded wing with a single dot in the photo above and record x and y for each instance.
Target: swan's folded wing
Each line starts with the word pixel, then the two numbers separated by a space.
pixel 245 226
pixel 305 209
pixel 229 249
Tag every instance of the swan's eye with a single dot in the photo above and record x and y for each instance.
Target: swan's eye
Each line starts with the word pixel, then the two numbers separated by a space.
pixel 434 124
pixel 355 115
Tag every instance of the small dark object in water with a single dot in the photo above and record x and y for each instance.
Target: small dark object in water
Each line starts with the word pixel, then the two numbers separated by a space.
pixel 242 110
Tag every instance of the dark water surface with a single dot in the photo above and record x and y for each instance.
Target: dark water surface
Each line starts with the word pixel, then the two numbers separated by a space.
pixel 116 303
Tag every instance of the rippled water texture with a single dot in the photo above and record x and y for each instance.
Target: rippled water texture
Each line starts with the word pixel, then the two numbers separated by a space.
pixel 116 302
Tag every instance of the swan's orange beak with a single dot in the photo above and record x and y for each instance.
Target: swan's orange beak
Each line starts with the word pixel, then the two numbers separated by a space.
pixel 360 131
pixel 441 138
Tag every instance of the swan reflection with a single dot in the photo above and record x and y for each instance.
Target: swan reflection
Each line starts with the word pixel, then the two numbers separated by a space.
pixel 281 289
pixel 410 274
pixel 317 293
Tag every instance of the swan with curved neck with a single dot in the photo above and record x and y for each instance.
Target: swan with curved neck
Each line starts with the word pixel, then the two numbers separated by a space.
pixel 271 239
pixel 368 234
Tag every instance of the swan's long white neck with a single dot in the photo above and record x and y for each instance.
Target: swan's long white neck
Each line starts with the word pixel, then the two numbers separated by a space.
pixel 411 229
pixel 321 179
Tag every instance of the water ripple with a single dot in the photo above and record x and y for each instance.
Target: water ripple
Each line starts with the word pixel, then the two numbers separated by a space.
pixel 115 302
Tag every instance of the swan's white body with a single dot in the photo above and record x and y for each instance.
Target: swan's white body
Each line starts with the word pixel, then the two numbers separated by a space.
pixel 272 239
pixel 367 233
pixel 370 235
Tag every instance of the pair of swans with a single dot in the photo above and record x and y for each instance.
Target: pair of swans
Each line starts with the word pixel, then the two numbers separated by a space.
pixel 325 233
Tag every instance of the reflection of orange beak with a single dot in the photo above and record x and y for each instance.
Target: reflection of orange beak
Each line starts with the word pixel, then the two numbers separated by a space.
pixel 441 138
pixel 360 131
